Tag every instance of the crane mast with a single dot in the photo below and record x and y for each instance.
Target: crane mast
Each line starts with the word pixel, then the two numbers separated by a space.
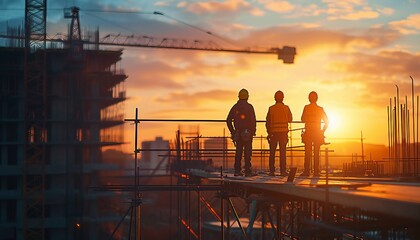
pixel 34 121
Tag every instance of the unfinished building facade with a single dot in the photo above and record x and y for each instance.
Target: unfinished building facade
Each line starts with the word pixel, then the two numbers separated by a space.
pixel 83 98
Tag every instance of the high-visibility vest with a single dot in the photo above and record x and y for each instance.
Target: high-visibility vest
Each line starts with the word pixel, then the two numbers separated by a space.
pixel 313 115
pixel 278 117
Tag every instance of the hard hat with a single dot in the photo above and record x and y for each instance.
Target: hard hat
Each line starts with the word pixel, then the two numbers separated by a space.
pixel 313 96
pixel 243 94
pixel 279 96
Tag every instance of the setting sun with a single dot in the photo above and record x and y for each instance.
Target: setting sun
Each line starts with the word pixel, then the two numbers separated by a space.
pixel 335 122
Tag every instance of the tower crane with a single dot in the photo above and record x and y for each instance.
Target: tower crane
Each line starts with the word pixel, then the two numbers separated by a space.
pixel 286 53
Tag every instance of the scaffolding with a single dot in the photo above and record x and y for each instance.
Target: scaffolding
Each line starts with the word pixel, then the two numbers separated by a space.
pixel 207 204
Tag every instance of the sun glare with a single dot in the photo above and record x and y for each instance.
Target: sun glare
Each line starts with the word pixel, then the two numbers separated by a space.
pixel 335 121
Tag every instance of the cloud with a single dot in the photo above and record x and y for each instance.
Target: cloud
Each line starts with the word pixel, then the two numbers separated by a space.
pixel 237 26
pixel 310 25
pixel 309 39
pixel 175 69
pixel 389 64
pixel 224 7
pixel 277 6
pixel 363 14
pixel 377 94
pixel 149 75
pixel 198 97
pixel 386 11
pixel 185 112
pixel 350 10
pixel 308 10
pixel 378 73
pixel 410 25
pixel 172 69
pixel 257 12
pixel 163 3
pixel 343 10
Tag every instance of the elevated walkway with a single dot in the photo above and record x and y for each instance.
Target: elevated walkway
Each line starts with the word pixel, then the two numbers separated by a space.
pixel 382 196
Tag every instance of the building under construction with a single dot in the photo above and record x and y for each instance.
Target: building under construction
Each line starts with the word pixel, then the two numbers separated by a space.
pixel 52 134
pixel 61 106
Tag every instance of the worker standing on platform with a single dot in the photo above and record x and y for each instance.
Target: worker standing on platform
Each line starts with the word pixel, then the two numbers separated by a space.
pixel 313 136
pixel 277 124
pixel 241 122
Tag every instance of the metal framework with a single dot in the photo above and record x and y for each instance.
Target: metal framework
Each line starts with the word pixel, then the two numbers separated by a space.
pixel 36 127
pixel 279 217
pixel 35 118
pixel 242 212
pixel 286 53
pixel 35 94
pixel 225 208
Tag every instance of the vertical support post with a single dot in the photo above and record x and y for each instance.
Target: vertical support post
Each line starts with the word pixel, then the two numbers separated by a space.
pixel 417 138
pixel 291 145
pixel 327 189
pixel 179 213
pixel 222 217
pixel 292 218
pixel 228 220
pixel 389 128
pixel 199 213
pixel 170 201
pixel 363 152
pixel 278 213
pixel 178 146
pixel 396 152
pixel 263 224
pixel 131 223
pixel 136 177
pixel 188 207
pixel 261 154
pixel 414 132
pixel 398 128
pixel 34 120
pixel 224 164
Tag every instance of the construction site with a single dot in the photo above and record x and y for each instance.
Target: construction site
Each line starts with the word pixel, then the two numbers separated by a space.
pixel 62 110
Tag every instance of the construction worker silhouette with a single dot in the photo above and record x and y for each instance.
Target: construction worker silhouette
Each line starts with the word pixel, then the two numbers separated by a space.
pixel 242 130
pixel 313 136
pixel 277 125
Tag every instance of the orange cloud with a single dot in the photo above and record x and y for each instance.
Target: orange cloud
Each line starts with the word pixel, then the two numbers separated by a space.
pixel 257 12
pixel 199 97
pixel 387 11
pixel 278 6
pixel 363 14
pixel 238 26
pixel 308 10
pixel 410 25
pixel 348 10
pixel 229 6
pixel 153 75
pixel 309 39
pixel 392 64
pixel 162 4
pixel 378 73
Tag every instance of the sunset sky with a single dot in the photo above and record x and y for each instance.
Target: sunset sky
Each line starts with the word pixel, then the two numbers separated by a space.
pixel 353 53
